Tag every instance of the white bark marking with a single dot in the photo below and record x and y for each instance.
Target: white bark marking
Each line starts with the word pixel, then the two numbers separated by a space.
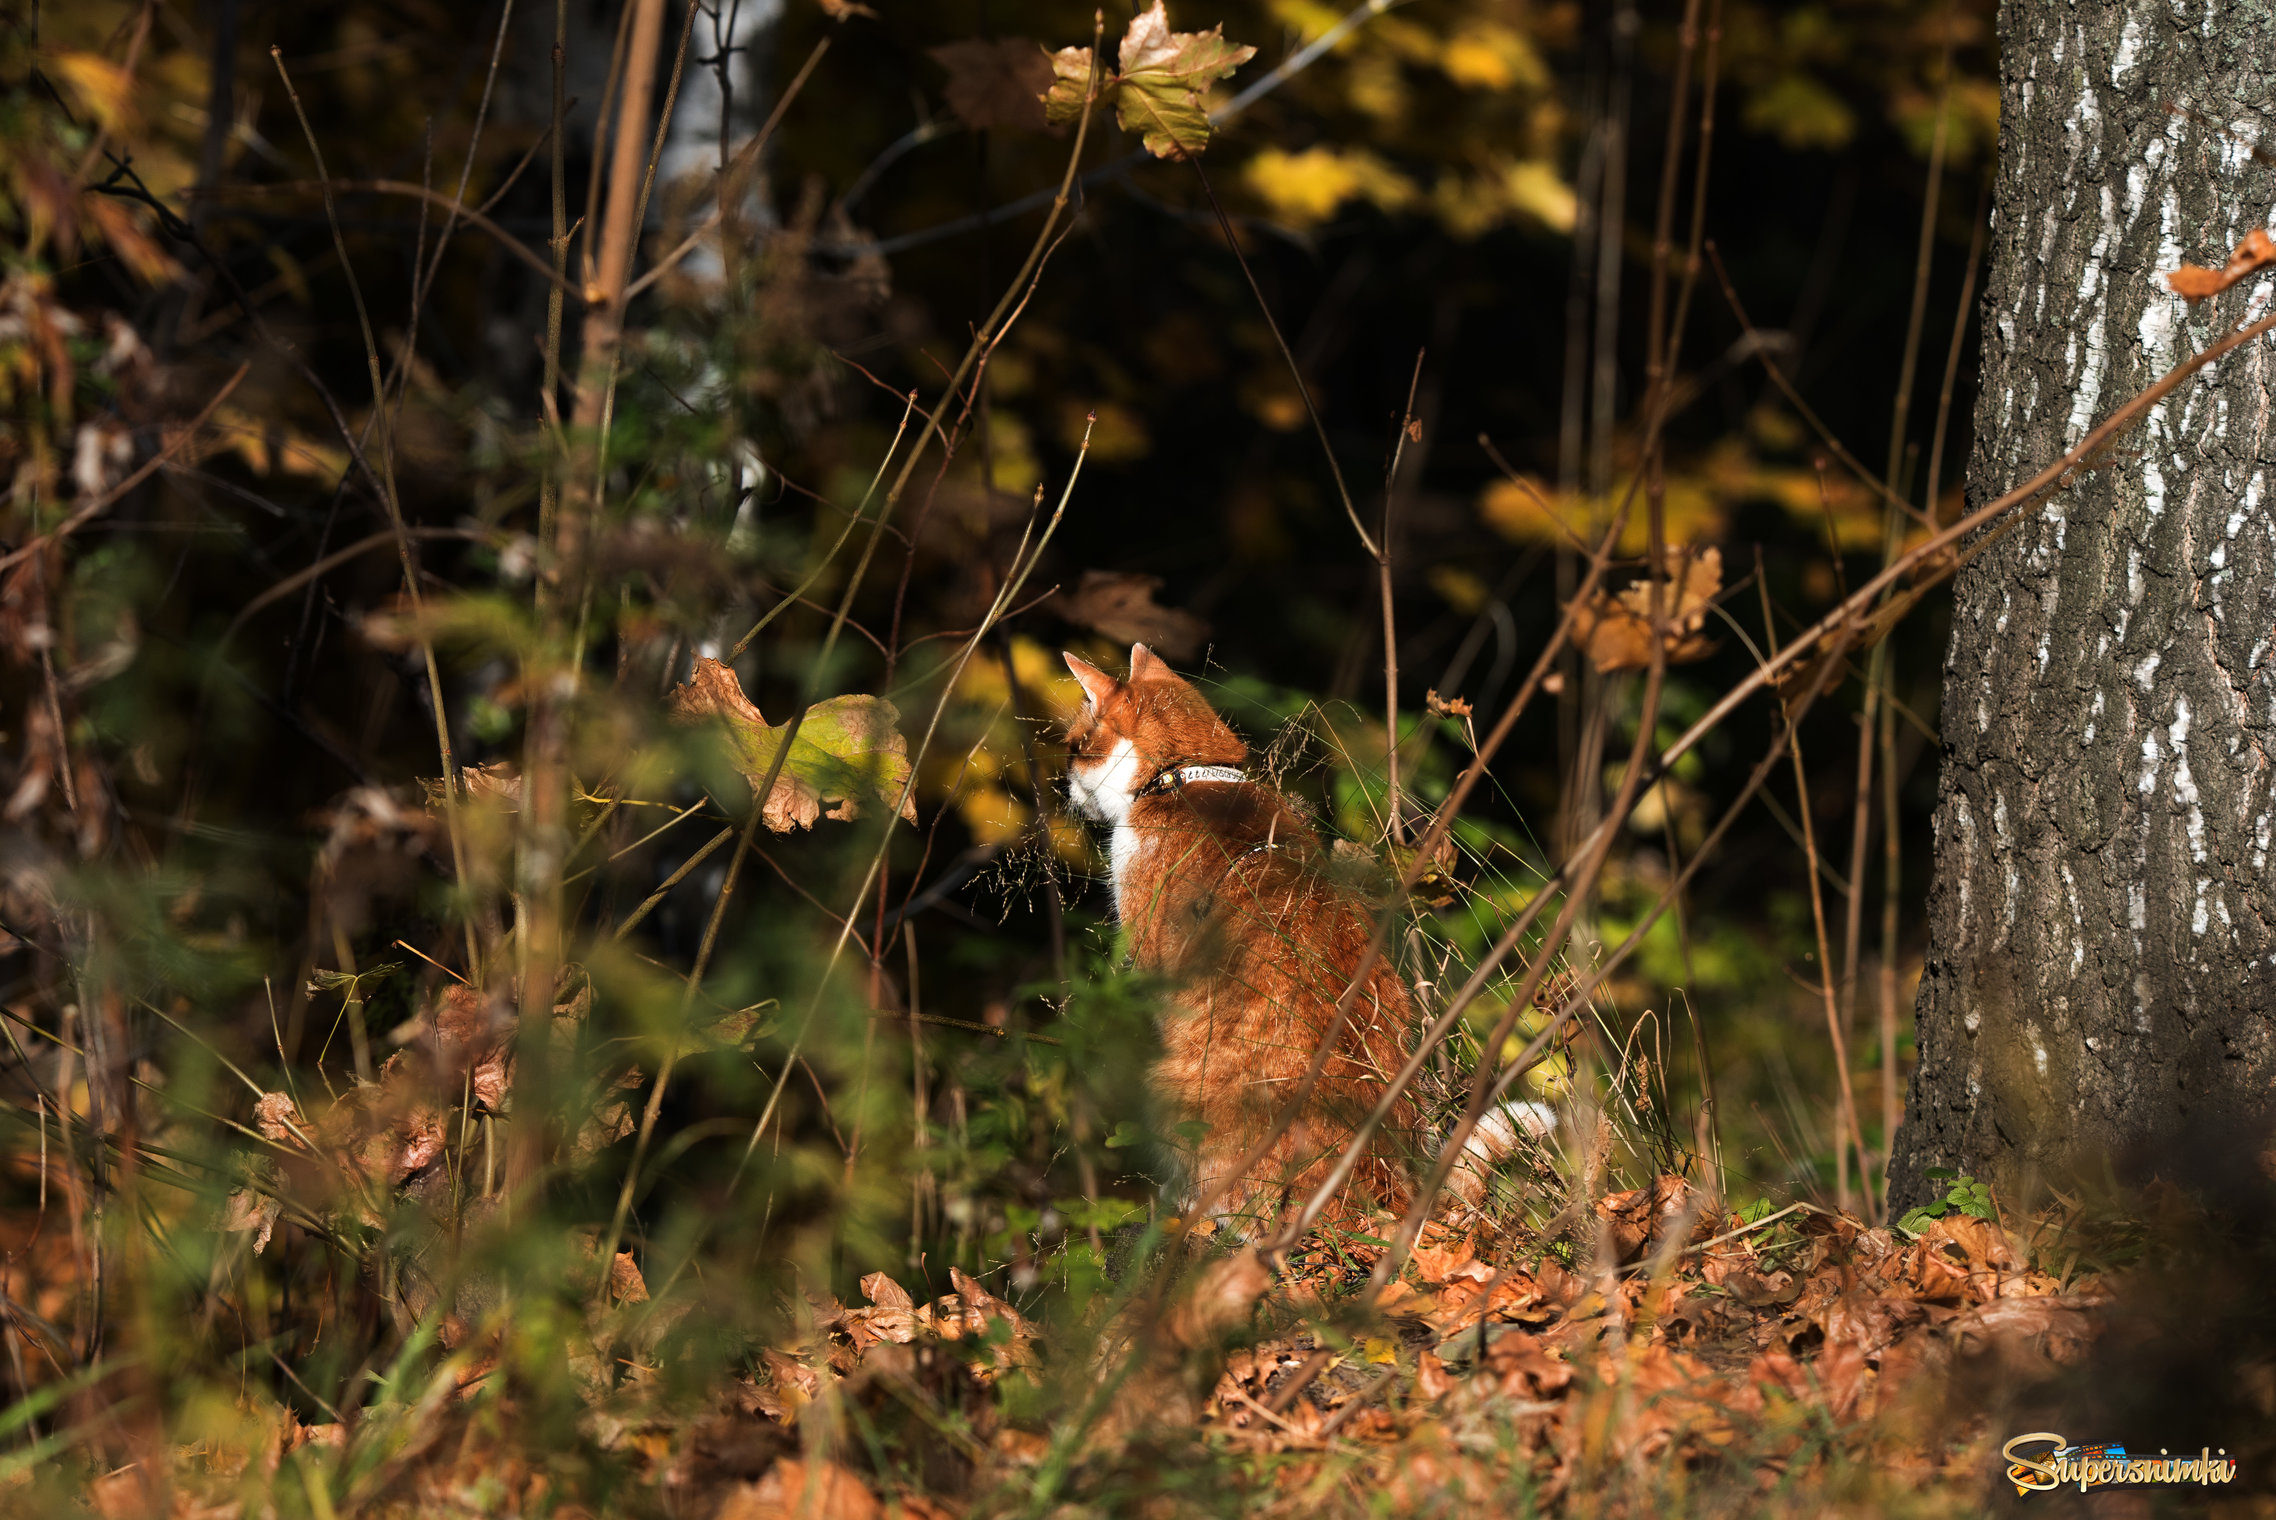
pixel 2129 49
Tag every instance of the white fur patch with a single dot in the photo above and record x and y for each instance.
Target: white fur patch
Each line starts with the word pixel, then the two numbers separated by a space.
pixel 1495 1138
pixel 1104 789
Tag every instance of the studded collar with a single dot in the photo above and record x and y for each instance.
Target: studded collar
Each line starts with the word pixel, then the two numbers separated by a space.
pixel 1185 775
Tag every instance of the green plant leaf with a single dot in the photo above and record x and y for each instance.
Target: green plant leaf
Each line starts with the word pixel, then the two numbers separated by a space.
pixel 849 748
pixel 1917 1220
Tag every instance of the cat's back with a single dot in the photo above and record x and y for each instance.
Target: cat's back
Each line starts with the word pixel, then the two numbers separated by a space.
pixel 1236 872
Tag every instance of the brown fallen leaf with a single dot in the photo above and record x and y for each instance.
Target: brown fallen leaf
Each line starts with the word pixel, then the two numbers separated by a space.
pixel 276 1117
pixel 416 1143
pixel 1436 1264
pixel 996 82
pixel 626 1285
pixel 1615 628
pixel 796 1490
pixel 250 1210
pixel 2194 282
pixel 1122 607
pixel 882 1323
pixel 2025 1331
pixel 980 1305
pixel 1524 1366
pixel 1221 1297
pixel 884 1292
pixel 1445 707
pixel 1639 1217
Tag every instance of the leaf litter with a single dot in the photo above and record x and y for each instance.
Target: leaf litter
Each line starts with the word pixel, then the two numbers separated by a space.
pixel 1674 1334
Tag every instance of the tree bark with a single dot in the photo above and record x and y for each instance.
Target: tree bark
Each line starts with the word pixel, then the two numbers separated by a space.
pixel 2098 986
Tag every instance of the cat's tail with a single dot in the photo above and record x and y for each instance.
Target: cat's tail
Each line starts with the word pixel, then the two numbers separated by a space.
pixel 1500 1132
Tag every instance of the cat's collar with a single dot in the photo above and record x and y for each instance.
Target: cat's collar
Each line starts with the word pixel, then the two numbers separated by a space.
pixel 1186 775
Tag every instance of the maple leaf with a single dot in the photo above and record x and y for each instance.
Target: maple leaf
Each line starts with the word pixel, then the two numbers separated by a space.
pixel 847 748
pixel 1163 77
pixel 998 81
pixel 1159 83
pixel 1070 85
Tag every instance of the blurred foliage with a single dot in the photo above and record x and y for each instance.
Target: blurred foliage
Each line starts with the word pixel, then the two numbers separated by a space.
pixel 280 1110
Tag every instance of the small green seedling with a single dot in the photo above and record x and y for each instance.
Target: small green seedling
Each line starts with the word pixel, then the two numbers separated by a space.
pixel 1966 1196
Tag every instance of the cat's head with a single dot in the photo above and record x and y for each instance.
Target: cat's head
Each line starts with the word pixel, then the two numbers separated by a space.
pixel 1133 731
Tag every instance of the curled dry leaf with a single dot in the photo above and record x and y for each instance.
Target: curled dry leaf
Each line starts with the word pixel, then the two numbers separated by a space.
pixel 1615 629
pixel 251 1210
pixel 1859 633
pixel 275 1115
pixel 416 1143
pixel 996 82
pixel 1123 608
pixel 626 1285
pixel 1435 1264
pixel 1445 707
pixel 979 1306
pixel 884 1292
pixel 1158 89
pixel 2195 283
pixel 1221 1297
pixel 1642 1216
pixel 848 748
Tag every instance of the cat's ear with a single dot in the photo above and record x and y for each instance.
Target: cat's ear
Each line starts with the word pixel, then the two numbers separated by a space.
pixel 1096 682
pixel 1145 665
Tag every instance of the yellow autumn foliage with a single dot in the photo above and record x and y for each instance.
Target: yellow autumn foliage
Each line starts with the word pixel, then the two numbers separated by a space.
pixel 1700 494
pixel 1487 56
pixel 1307 188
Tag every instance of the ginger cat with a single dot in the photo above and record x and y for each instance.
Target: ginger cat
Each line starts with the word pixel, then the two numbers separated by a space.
pixel 1218 879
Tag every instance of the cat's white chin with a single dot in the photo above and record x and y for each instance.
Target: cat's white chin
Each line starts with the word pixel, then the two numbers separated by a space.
pixel 1102 789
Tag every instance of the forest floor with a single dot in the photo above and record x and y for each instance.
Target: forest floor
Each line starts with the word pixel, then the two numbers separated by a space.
pixel 1797 1362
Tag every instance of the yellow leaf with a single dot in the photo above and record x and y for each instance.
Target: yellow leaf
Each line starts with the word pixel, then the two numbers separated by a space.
pixel 1490 57
pixel 1802 113
pixel 1306 18
pixel 1464 592
pixel 1307 188
pixel 1163 77
pixel 1538 513
pixel 1117 434
pixel 992 815
pixel 101 85
pixel 1535 191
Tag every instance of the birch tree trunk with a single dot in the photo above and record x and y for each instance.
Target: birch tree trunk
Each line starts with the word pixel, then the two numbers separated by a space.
pixel 2101 977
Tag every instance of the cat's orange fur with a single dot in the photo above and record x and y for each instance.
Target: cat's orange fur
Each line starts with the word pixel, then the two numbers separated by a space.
pixel 1220 885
